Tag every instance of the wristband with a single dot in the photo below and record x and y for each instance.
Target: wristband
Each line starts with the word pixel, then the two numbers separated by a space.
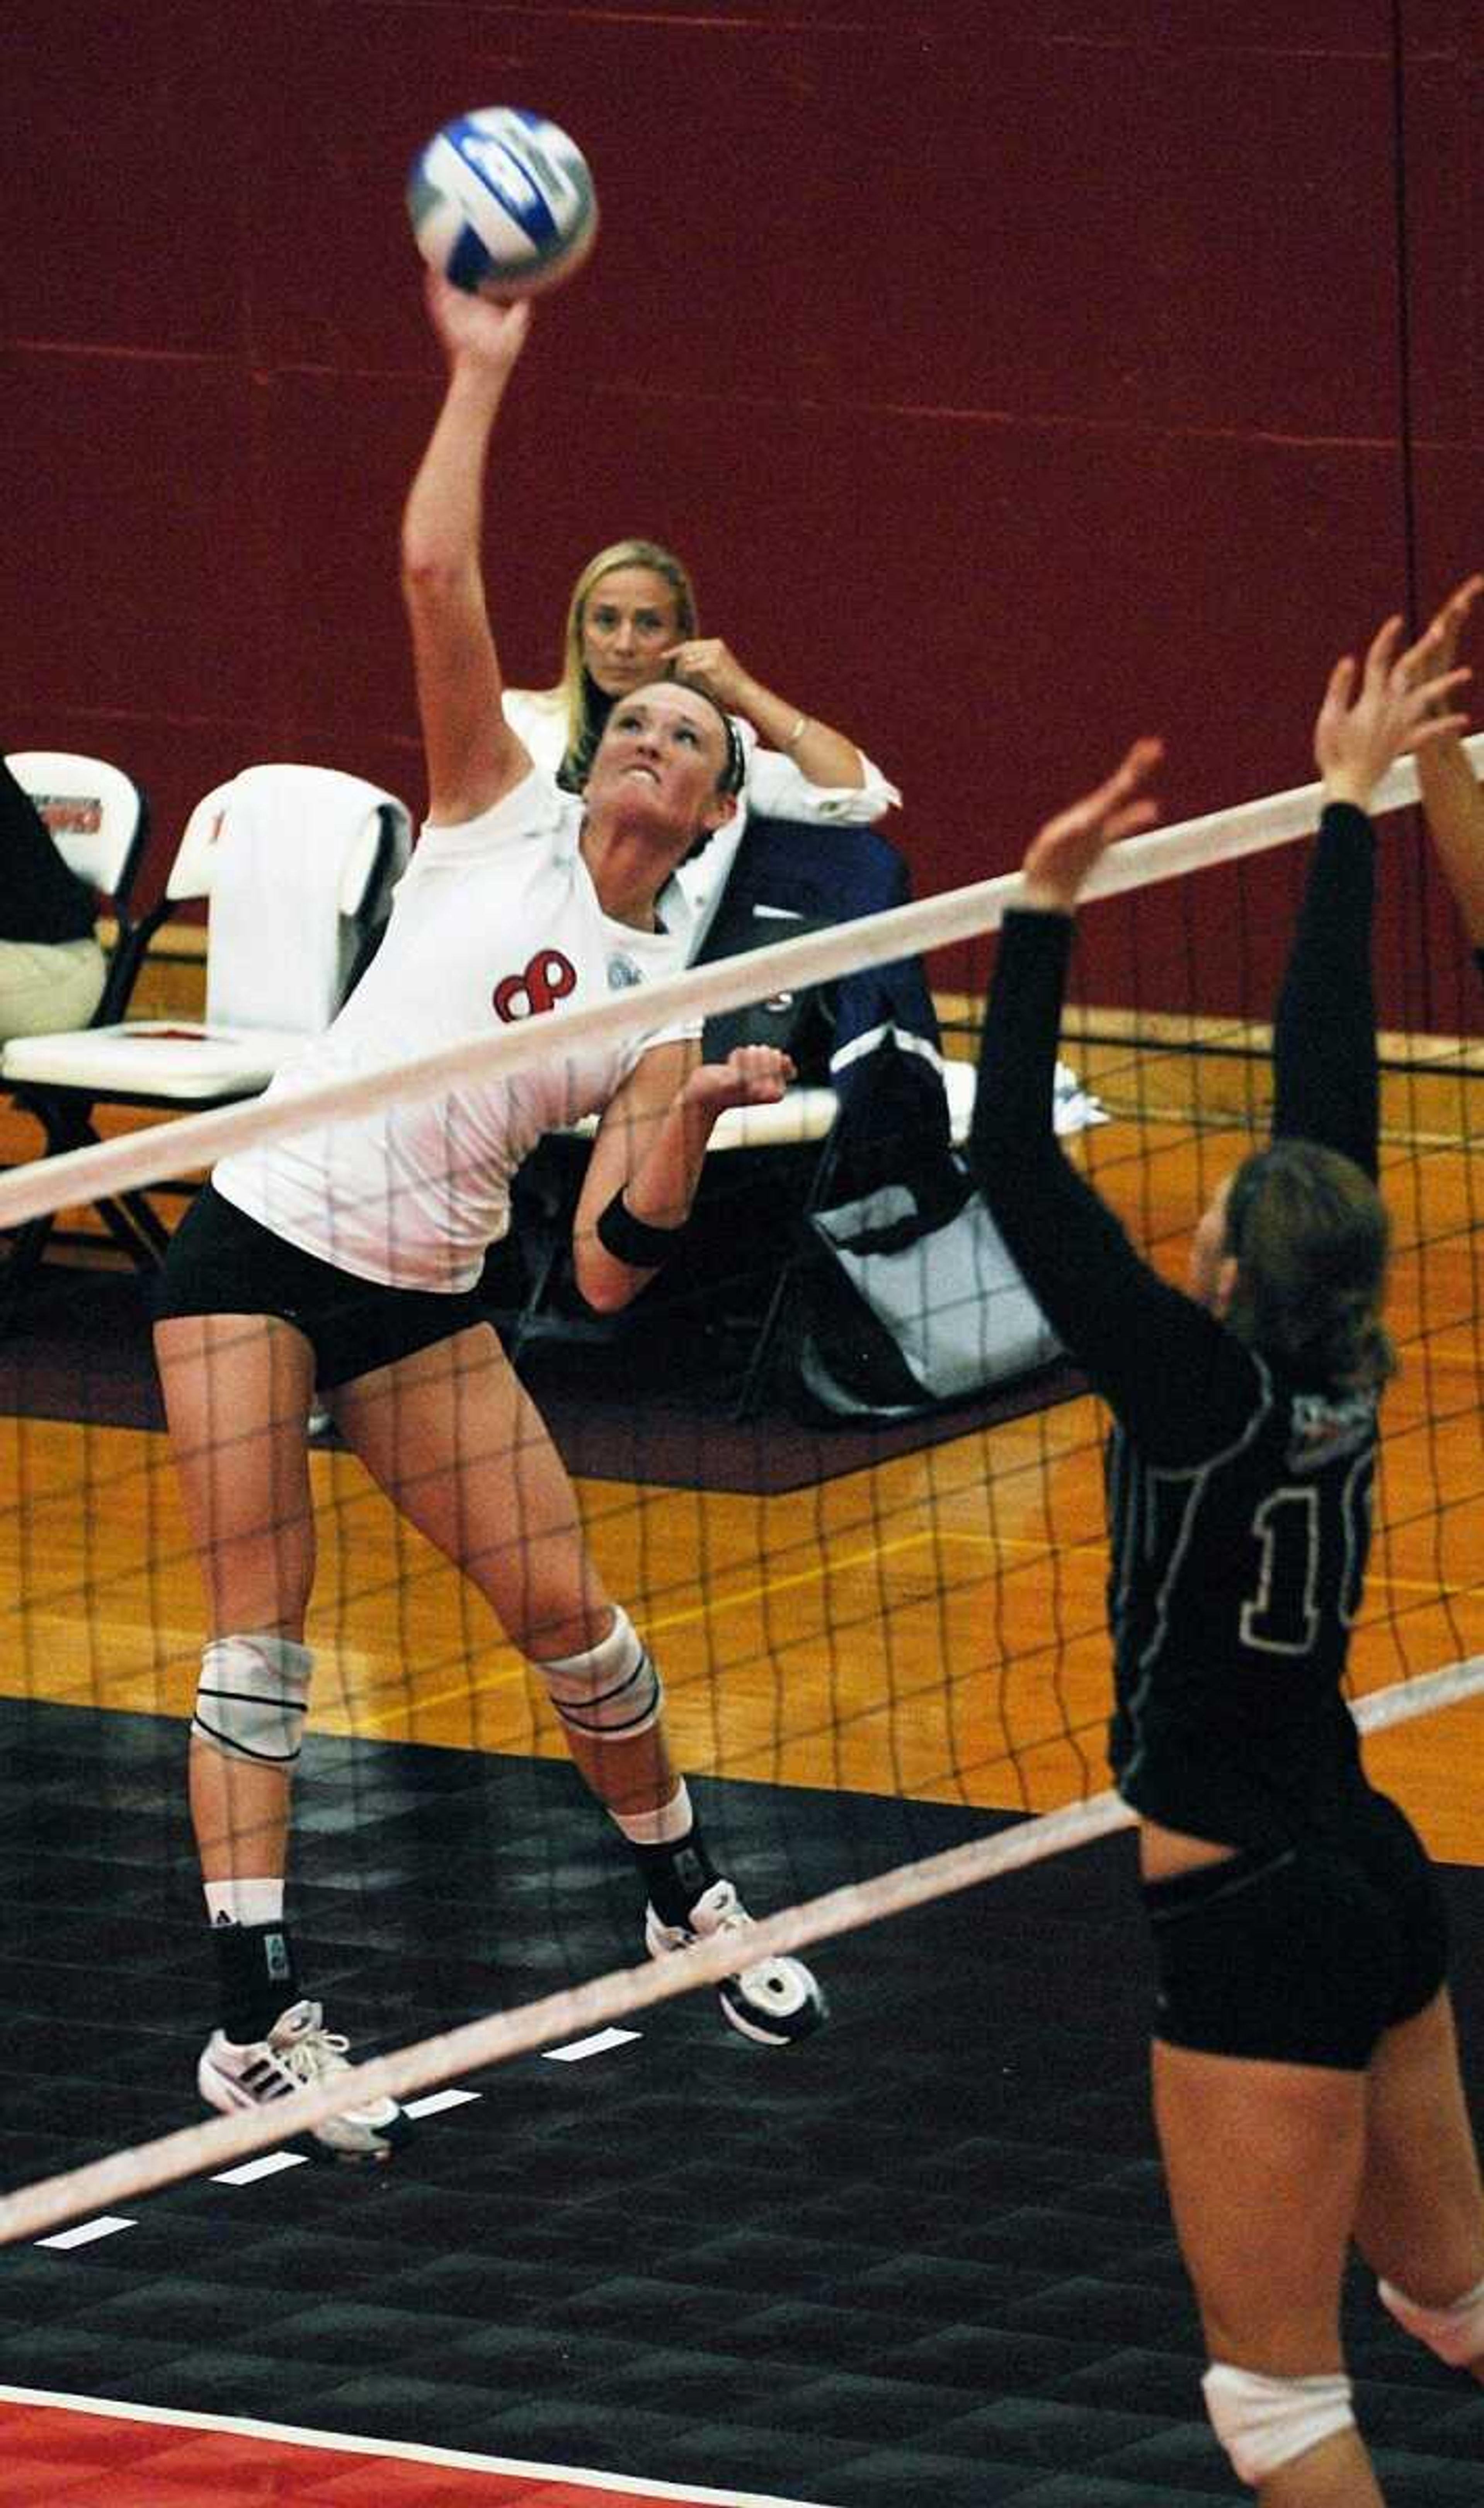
pixel 635 1242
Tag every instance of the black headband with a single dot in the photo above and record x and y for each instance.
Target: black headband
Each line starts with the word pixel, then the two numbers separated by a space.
pixel 735 774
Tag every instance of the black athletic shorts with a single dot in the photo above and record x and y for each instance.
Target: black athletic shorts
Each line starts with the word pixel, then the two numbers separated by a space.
pixel 222 1263
pixel 1303 1954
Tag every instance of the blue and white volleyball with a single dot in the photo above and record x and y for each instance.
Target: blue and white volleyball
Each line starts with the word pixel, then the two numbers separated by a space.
pixel 503 204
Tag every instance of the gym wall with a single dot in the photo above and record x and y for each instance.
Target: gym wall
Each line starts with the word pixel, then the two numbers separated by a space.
pixel 1014 379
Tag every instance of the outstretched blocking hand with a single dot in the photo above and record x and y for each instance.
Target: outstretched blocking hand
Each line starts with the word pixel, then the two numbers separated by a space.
pixel 1449 620
pixel 1452 797
pixel 1402 701
pixel 1063 853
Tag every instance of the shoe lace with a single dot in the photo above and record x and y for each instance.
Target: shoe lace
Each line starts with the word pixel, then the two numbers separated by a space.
pixel 315 2054
pixel 733 1918
pixel 772 1972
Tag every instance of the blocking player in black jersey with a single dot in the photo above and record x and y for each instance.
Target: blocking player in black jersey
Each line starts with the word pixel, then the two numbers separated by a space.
pixel 1306 2077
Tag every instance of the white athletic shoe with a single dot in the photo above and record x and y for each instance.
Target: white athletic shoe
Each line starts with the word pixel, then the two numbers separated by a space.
pixel 298 2049
pixel 776 2002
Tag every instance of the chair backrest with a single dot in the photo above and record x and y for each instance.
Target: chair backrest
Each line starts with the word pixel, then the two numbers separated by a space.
pixel 97 815
pixel 191 872
pixel 297 863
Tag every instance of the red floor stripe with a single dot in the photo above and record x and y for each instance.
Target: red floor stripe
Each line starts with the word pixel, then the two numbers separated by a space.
pixel 75 2459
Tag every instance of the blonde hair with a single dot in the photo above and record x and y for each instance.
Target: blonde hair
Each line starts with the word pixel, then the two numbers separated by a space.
pixel 1309 1237
pixel 576 689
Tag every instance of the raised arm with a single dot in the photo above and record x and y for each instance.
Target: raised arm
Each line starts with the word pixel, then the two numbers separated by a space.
pixel 1324 1072
pixel 1452 798
pixel 473 756
pixel 648 1157
pixel 1109 1310
pixel 1169 1370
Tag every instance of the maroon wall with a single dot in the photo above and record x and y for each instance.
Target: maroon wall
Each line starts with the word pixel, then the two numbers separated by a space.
pixel 1013 378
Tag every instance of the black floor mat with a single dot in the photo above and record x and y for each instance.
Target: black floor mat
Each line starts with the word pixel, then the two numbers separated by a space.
pixel 924 2258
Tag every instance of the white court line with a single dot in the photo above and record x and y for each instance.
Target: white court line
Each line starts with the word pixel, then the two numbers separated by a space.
pixel 437 2100
pixel 268 2166
pixel 273 2160
pixel 273 2163
pixel 337 2443
pixel 577 2050
pixel 104 2226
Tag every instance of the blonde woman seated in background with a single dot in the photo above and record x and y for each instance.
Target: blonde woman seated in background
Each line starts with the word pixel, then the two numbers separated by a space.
pixel 52 967
pixel 631 618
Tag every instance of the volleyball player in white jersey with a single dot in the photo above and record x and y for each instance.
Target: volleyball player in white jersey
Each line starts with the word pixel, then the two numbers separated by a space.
pixel 346 1259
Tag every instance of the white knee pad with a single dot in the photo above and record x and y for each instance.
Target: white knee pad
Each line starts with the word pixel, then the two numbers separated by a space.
pixel 1454 2333
pixel 611 1692
pixel 1264 2422
pixel 251 1699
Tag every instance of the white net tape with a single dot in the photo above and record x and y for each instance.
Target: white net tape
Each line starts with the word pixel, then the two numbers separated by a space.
pixel 875 941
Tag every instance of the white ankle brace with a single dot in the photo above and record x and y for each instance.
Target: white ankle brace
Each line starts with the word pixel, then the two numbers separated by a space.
pixel 1264 2422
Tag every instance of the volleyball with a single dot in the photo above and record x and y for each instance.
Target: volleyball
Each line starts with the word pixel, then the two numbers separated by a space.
pixel 501 202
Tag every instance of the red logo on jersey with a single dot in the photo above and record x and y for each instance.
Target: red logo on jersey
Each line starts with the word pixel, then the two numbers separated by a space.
pixel 545 980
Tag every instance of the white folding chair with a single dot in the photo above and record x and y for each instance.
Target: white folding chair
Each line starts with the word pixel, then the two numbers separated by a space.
pixel 295 864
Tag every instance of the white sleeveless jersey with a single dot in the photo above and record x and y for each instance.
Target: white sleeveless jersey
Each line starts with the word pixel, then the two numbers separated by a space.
pixel 493 923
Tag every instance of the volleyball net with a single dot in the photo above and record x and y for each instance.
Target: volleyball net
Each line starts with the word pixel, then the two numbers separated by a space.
pixel 872 1616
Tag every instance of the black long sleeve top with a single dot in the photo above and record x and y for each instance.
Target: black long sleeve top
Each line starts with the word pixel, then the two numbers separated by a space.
pixel 1239 1495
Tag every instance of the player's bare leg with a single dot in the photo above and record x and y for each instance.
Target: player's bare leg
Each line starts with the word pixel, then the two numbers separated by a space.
pixel 455 1441
pixel 237 1390
pixel 1238 2138
pixel 1419 2217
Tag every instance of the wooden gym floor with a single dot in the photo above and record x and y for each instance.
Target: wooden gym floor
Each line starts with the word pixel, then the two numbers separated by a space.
pixel 930 1627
